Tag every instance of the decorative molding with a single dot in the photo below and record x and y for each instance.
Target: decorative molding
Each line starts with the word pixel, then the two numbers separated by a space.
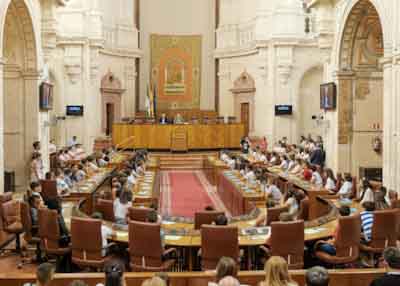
pixel 111 84
pixel 244 84
pixel 132 54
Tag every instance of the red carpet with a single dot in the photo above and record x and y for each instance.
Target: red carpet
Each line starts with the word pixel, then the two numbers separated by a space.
pixel 183 194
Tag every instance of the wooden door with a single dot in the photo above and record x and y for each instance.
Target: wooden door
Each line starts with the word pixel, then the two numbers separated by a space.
pixel 245 116
pixel 110 118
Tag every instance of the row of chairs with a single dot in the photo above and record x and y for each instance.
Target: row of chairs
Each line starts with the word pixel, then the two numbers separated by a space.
pixel 106 208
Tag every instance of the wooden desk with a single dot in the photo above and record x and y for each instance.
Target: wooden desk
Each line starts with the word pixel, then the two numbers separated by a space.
pixel 235 198
pixel 158 137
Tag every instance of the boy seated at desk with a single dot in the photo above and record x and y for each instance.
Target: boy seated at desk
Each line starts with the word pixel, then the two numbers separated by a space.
pixel 62 186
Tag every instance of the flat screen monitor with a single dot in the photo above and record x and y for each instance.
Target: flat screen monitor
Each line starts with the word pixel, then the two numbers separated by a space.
pixel 75 110
pixel 283 110
pixel 328 96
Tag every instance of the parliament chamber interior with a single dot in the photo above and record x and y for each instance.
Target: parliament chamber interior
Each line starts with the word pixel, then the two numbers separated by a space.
pixel 199 142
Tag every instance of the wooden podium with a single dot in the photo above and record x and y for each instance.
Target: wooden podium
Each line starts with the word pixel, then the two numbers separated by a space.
pixel 179 139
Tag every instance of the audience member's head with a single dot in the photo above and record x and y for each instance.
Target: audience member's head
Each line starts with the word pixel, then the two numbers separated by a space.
pixel 276 271
pixel 44 274
pixel 285 217
pixel 114 273
pixel 78 283
pixel 229 281
pixel 35 187
pixel 344 211
pixel 317 276
pixel 221 220
pixel 164 276
pixel 152 216
pixel 226 267
pixel 369 206
pixel 34 202
pixel 391 255
pixel 209 208
pixel 155 281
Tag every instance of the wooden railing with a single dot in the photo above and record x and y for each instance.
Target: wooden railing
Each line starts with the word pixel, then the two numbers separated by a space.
pixel 347 277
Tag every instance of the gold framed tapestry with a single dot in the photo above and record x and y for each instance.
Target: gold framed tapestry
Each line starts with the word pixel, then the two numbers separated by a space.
pixel 176 69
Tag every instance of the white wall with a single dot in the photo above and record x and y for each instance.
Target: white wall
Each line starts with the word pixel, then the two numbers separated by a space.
pixel 180 17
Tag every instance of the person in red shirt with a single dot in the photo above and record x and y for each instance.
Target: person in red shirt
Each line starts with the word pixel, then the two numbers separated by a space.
pixel 307 172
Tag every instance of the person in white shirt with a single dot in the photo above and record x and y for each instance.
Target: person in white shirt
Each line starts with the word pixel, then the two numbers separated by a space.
pixel 121 206
pixel 291 163
pixel 293 203
pixel 273 191
pixel 330 183
pixel 274 158
pixel 106 232
pixel 62 186
pixel 91 164
pixel 224 157
pixel 316 178
pixel 263 157
pixel 366 193
pixel 284 163
pixel 249 173
pixel 297 167
pixel 347 187
pixel 73 141
pixel 52 147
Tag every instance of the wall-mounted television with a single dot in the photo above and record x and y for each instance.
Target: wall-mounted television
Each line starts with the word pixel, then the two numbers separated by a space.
pixel 45 96
pixel 283 110
pixel 74 110
pixel 328 96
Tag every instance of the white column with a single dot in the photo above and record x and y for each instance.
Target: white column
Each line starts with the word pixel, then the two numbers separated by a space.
pixel 1 126
pixel 129 96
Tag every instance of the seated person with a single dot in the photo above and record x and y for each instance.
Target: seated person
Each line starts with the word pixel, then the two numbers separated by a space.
pixel 273 191
pixel 179 119
pixel 226 267
pixel 34 205
pixel 245 145
pixel 68 178
pixel 91 165
pixel 329 247
pixel 44 275
pixel 347 187
pixel 152 217
pixel 284 162
pixel 121 206
pixel 307 172
pixel 330 184
pixel 229 281
pixel 277 273
pixel 62 186
pixel 293 202
pixel 55 204
pixel 291 163
pixel 35 189
pixel 164 119
pixel 221 220
pixel 316 178
pixel 391 257
pixel 105 233
pixel 297 167
pixel 367 221
pixel 79 173
pixel 249 173
pixel 317 276
pixel 366 193
pixel 382 202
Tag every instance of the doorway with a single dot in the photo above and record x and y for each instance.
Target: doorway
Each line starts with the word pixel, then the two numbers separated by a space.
pixel 109 118
pixel 245 116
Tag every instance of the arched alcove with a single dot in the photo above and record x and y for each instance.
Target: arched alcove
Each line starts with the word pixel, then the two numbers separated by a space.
pixel 111 92
pixel 243 90
pixel 20 93
pixel 360 89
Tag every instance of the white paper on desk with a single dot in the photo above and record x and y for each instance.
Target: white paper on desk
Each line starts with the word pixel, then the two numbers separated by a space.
pixel 167 222
pixel 173 237
pixel 121 234
pixel 259 237
pixel 313 230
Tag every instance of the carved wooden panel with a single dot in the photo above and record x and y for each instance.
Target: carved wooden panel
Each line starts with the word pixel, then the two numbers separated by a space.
pixel 344 110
